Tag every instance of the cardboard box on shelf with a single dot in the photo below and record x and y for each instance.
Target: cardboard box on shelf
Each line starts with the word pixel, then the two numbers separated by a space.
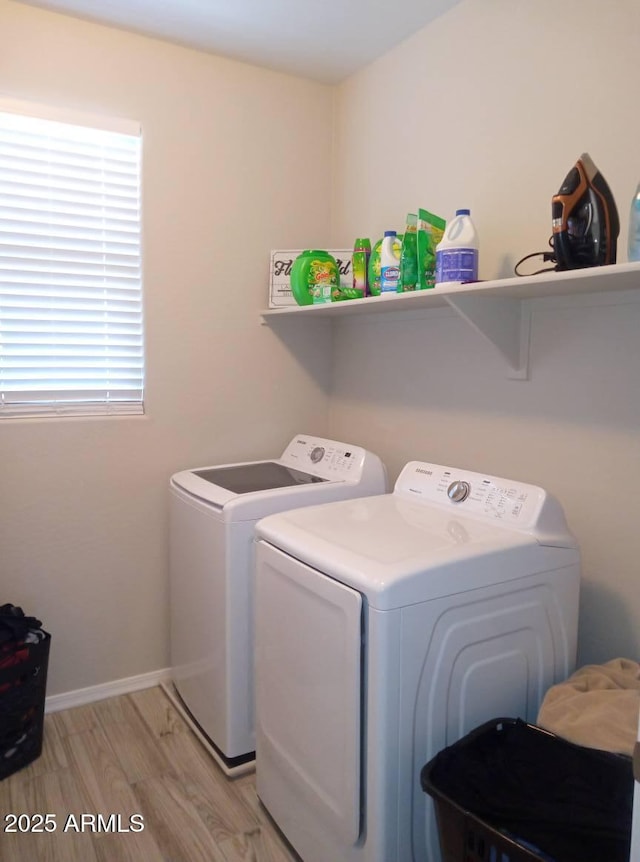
pixel 279 279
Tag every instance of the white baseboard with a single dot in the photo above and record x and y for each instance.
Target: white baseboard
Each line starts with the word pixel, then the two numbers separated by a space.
pixel 82 696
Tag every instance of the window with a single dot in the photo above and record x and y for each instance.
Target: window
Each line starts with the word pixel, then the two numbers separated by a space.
pixel 71 326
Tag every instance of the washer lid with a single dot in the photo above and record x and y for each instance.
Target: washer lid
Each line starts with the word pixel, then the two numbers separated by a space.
pixel 398 552
pixel 250 490
pixel 259 476
pixel 310 470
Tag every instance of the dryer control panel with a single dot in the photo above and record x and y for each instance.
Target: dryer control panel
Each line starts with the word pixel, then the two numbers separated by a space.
pixel 514 504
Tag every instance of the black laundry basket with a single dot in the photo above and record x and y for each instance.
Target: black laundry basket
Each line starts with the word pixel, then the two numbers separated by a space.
pixel 512 792
pixel 23 682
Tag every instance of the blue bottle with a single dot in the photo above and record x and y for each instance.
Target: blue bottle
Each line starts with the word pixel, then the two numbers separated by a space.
pixel 633 243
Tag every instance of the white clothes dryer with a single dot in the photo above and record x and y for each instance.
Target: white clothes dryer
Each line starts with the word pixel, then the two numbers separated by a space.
pixel 213 511
pixel 386 629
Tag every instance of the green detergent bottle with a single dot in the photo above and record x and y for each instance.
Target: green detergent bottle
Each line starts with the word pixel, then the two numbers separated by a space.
pixel 360 266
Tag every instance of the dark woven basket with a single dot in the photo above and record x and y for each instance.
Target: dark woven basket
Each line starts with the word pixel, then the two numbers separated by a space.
pixel 22 694
pixel 513 792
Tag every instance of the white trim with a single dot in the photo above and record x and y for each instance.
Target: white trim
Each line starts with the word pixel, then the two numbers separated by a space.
pixel 66 115
pixel 83 696
pixel 28 410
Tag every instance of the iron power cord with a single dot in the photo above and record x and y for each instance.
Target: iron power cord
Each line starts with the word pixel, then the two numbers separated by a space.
pixel 547 256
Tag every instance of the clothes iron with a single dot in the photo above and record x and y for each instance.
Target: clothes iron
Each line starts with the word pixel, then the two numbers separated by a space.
pixel 584 219
pixel 585 223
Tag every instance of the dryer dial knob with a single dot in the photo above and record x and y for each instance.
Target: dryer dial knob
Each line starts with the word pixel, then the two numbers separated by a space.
pixel 458 491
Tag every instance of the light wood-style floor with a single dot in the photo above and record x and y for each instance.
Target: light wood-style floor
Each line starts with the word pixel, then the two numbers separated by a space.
pixel 133 755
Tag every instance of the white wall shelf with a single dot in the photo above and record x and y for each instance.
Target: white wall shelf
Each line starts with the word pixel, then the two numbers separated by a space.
pixel 495 309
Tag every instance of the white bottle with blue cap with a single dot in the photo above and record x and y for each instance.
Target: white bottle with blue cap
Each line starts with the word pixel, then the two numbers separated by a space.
pixel 457 252
pixel 389 263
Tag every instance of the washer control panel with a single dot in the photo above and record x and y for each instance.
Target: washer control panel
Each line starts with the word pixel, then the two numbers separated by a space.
pixel 488 497
pixel 326 458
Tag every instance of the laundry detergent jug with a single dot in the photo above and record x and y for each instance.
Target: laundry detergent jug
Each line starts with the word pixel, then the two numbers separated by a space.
pixel 314 277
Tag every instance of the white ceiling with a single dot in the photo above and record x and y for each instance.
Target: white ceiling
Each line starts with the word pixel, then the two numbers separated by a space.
pixel 325 40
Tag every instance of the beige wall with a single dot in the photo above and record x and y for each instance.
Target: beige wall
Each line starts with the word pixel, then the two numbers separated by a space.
pixel 489 107
pixel 232 157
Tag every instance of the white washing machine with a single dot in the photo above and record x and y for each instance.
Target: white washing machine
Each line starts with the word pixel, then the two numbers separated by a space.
pixel 386 629
pixel 213 511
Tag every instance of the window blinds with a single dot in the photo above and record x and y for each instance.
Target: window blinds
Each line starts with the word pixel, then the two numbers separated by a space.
pixel 71 323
